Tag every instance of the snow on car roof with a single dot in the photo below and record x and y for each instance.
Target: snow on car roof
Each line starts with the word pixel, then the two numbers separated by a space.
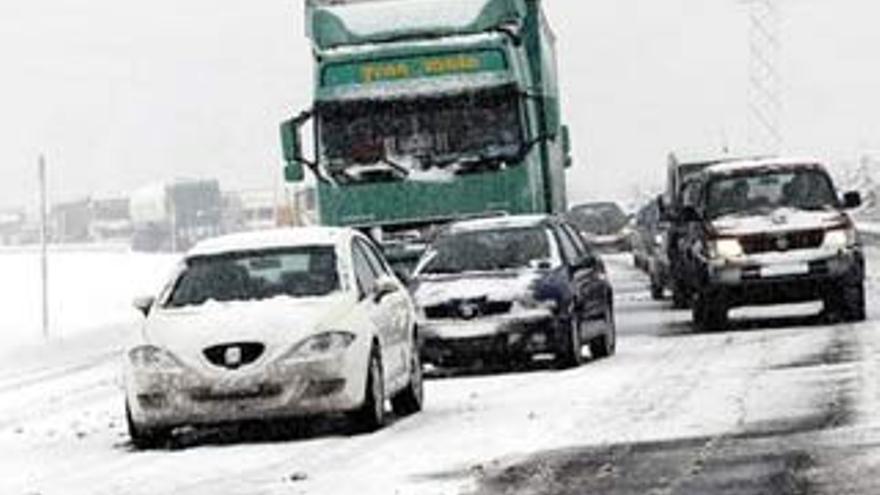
pixel 269 239
pixel 746 165
pixel 370 18
pixel 502 222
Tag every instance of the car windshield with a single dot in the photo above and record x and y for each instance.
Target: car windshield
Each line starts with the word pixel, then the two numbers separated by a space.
pixel 766 190
pixel 294 272
pixel 487 250
pixel 598 218
pixel 474 130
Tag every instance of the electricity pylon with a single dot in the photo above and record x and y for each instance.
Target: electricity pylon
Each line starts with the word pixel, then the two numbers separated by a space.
pixel 765 81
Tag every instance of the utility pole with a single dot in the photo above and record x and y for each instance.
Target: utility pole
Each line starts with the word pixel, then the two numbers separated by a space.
pixel 44 239
pixel 765 82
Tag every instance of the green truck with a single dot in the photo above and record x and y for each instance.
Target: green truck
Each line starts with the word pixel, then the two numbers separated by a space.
pixel 427 111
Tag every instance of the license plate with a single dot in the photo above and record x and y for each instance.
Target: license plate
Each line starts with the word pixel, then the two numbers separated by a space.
pixel 783 269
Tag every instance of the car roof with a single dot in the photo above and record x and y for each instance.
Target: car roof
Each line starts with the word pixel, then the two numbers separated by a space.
pixel 504 222
pixel 731 168
pixel 271 239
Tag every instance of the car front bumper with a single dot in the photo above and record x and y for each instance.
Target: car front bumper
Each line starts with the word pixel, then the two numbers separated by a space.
pixel 332 383
pixel 494 339
pixel 776 278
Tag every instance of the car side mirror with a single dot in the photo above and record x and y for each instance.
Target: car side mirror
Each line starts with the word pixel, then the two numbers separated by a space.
pixel 586 263
pixel 689 214
pixel 384 285
pixel 144 304
pixel 566 146
pixel 852 199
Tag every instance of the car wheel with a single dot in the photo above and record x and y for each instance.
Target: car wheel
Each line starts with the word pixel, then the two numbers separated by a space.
pixel 145 438
pixel 656 288
pixel 371 415
pixel 680 296
pixel 605 345
pixel 410 399
pixel 848 303
pixel 570 345
pixel 709 312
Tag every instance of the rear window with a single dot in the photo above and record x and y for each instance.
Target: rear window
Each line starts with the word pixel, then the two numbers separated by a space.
pixel 487 250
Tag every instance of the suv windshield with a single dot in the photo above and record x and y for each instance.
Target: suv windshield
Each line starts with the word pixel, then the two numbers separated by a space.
pixel 766 190
pixel 598 218
pixel 487 250
pixel 417 134
pixel 295 272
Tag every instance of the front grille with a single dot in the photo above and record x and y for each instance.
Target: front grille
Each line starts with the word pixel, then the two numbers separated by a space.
pixel 234 355
pixel 258 391
pixel 786 241
pixel 468 308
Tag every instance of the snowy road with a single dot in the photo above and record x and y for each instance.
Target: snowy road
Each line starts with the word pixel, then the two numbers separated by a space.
pixel 776 405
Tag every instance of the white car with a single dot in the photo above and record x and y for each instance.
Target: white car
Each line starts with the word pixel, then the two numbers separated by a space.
pixel 274 324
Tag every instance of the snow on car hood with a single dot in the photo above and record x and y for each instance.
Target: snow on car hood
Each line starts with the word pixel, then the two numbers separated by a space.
pixel 278 323
pixel 496 286
pixel 779 220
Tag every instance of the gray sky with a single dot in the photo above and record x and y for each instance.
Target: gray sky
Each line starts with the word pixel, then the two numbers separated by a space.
pixel 120 93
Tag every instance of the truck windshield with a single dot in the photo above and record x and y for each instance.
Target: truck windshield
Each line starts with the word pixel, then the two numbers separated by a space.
pixel 296 272
pixel 487 250
pixel 473 131
pixel 766 190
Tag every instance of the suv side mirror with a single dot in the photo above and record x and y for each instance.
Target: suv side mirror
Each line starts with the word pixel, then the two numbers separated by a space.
pixel 290 143
pixel 586 263
pixel 144 304
pixel 384 285
pixel 689 214
pixel 852 199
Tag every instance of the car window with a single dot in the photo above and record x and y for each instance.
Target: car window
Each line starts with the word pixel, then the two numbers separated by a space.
pixel 488 250
pixel 569 251
pixel 578 242
pixel 252 275
pixel 363 271
pixel 380 268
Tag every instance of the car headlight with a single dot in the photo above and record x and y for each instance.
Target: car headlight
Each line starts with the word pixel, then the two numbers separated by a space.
pixel 529 301
pixel 659 239
pixel 727 248
pixel 322 343
pixel 152 357
pixel 839 238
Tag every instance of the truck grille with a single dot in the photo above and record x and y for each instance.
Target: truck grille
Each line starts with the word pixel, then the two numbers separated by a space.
pixel 786 241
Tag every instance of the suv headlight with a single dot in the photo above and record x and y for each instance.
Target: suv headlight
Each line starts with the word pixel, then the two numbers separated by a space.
pixel 322 343
pixel 839 238
pixel 152 357
pixel 726 248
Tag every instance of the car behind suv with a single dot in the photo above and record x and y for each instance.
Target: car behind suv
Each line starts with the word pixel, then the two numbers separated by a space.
pixel 769 231
pixel 505 289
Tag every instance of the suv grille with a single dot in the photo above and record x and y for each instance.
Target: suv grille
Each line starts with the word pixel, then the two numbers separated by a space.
pixel 468 308
pixel 786 241
pixel 234 355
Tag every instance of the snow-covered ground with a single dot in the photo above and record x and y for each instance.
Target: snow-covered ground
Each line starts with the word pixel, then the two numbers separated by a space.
pixel 90 287
pixel 771 406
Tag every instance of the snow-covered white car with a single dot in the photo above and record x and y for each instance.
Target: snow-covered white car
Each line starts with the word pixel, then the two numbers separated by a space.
pixel 274 324
pixel 770 231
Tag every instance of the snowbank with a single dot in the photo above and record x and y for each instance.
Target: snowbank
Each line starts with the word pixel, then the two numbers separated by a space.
pixel 89 288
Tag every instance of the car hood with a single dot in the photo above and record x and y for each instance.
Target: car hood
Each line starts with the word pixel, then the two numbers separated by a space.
pixel 277 323
pixel 779 220
pixel 495 286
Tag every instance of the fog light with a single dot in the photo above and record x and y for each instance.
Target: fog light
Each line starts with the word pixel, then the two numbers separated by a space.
pixel 321 388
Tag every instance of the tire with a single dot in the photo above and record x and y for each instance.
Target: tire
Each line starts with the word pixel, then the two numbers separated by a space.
pixel 371 415
pixel 145 438
pixel 709 312
pixel 570 345
pixel 605 345
pixel 680 296
pixel 411 399
pixel 656 288
pixel 848 303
